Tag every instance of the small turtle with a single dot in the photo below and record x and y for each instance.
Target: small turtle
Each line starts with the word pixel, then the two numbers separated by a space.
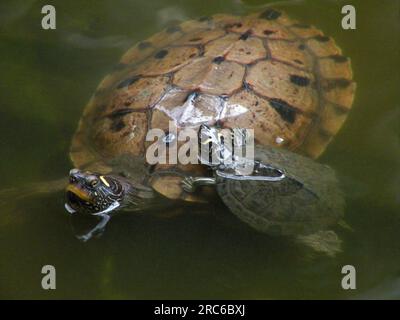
pixel 285 194
pixel 286 80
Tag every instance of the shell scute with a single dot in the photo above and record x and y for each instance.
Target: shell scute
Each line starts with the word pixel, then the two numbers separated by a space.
pixel 331 69
pixel 340 92
pixel 247 51
pixel 114 136
pixel 137 53
pixel 192 26
pixel 167 60
pixel 323 46
pixel 169 108
pixel 274 15
pixel 201 109
pixel 305 31
pixel 269 129
pixel 232 74
pixel 234 24
pixel 186 109
pixel 201 37
pixel 222 46
pixel 272 79
pixel 204 75
pixel 140 94
pixel 292 53
pixel 271 30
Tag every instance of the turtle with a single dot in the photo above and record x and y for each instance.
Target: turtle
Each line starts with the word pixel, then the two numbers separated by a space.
pixel 282 194
pixel 284 79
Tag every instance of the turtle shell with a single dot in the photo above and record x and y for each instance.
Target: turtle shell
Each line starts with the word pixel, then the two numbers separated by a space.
pixel 306 200
pixel 287 81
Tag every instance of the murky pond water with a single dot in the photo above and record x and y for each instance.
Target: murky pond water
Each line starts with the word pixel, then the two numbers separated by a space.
pixel 48 76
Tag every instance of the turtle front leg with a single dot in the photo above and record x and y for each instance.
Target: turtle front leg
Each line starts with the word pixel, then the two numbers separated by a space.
pixel 98 228
pixel 190 184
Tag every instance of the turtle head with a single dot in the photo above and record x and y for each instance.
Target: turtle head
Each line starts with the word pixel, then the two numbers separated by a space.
pixel 92 193
pixel 95 193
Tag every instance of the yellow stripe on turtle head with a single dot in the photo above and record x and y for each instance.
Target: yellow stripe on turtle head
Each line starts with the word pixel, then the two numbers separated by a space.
pixel 104 181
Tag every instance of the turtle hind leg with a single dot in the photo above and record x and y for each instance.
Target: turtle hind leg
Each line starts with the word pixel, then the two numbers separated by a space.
pixel 324 241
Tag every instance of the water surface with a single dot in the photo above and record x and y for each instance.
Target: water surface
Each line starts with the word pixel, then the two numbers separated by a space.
pixel 48 76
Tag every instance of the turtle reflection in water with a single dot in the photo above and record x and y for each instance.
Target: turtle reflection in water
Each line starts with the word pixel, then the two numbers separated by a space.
pixel 284 79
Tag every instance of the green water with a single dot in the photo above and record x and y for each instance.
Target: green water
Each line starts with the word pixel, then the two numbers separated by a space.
pixel 48 76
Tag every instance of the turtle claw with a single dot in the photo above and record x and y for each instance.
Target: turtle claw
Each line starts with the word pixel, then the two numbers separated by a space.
pixel 188 184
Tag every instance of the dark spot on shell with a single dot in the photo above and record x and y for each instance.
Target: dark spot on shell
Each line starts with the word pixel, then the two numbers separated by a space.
pixel 173 29
pixel 219 59
pixel 246 35
pixel 269 32
pixel 298 61
pixel 299 80
pixel 120 113
pixel 195 39
pixel 336 83
pixel 270 14
pixel 144 45
pixel 192 55
pixel 321 38
pixel 161 54
pixel 339 58
pixel 285 110
pixel 301 25
pixel 128 82
pixel 302 46
pixel 117 126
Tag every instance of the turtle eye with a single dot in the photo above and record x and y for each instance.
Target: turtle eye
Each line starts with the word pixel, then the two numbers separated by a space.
pixel 94 182
pixel 72 179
